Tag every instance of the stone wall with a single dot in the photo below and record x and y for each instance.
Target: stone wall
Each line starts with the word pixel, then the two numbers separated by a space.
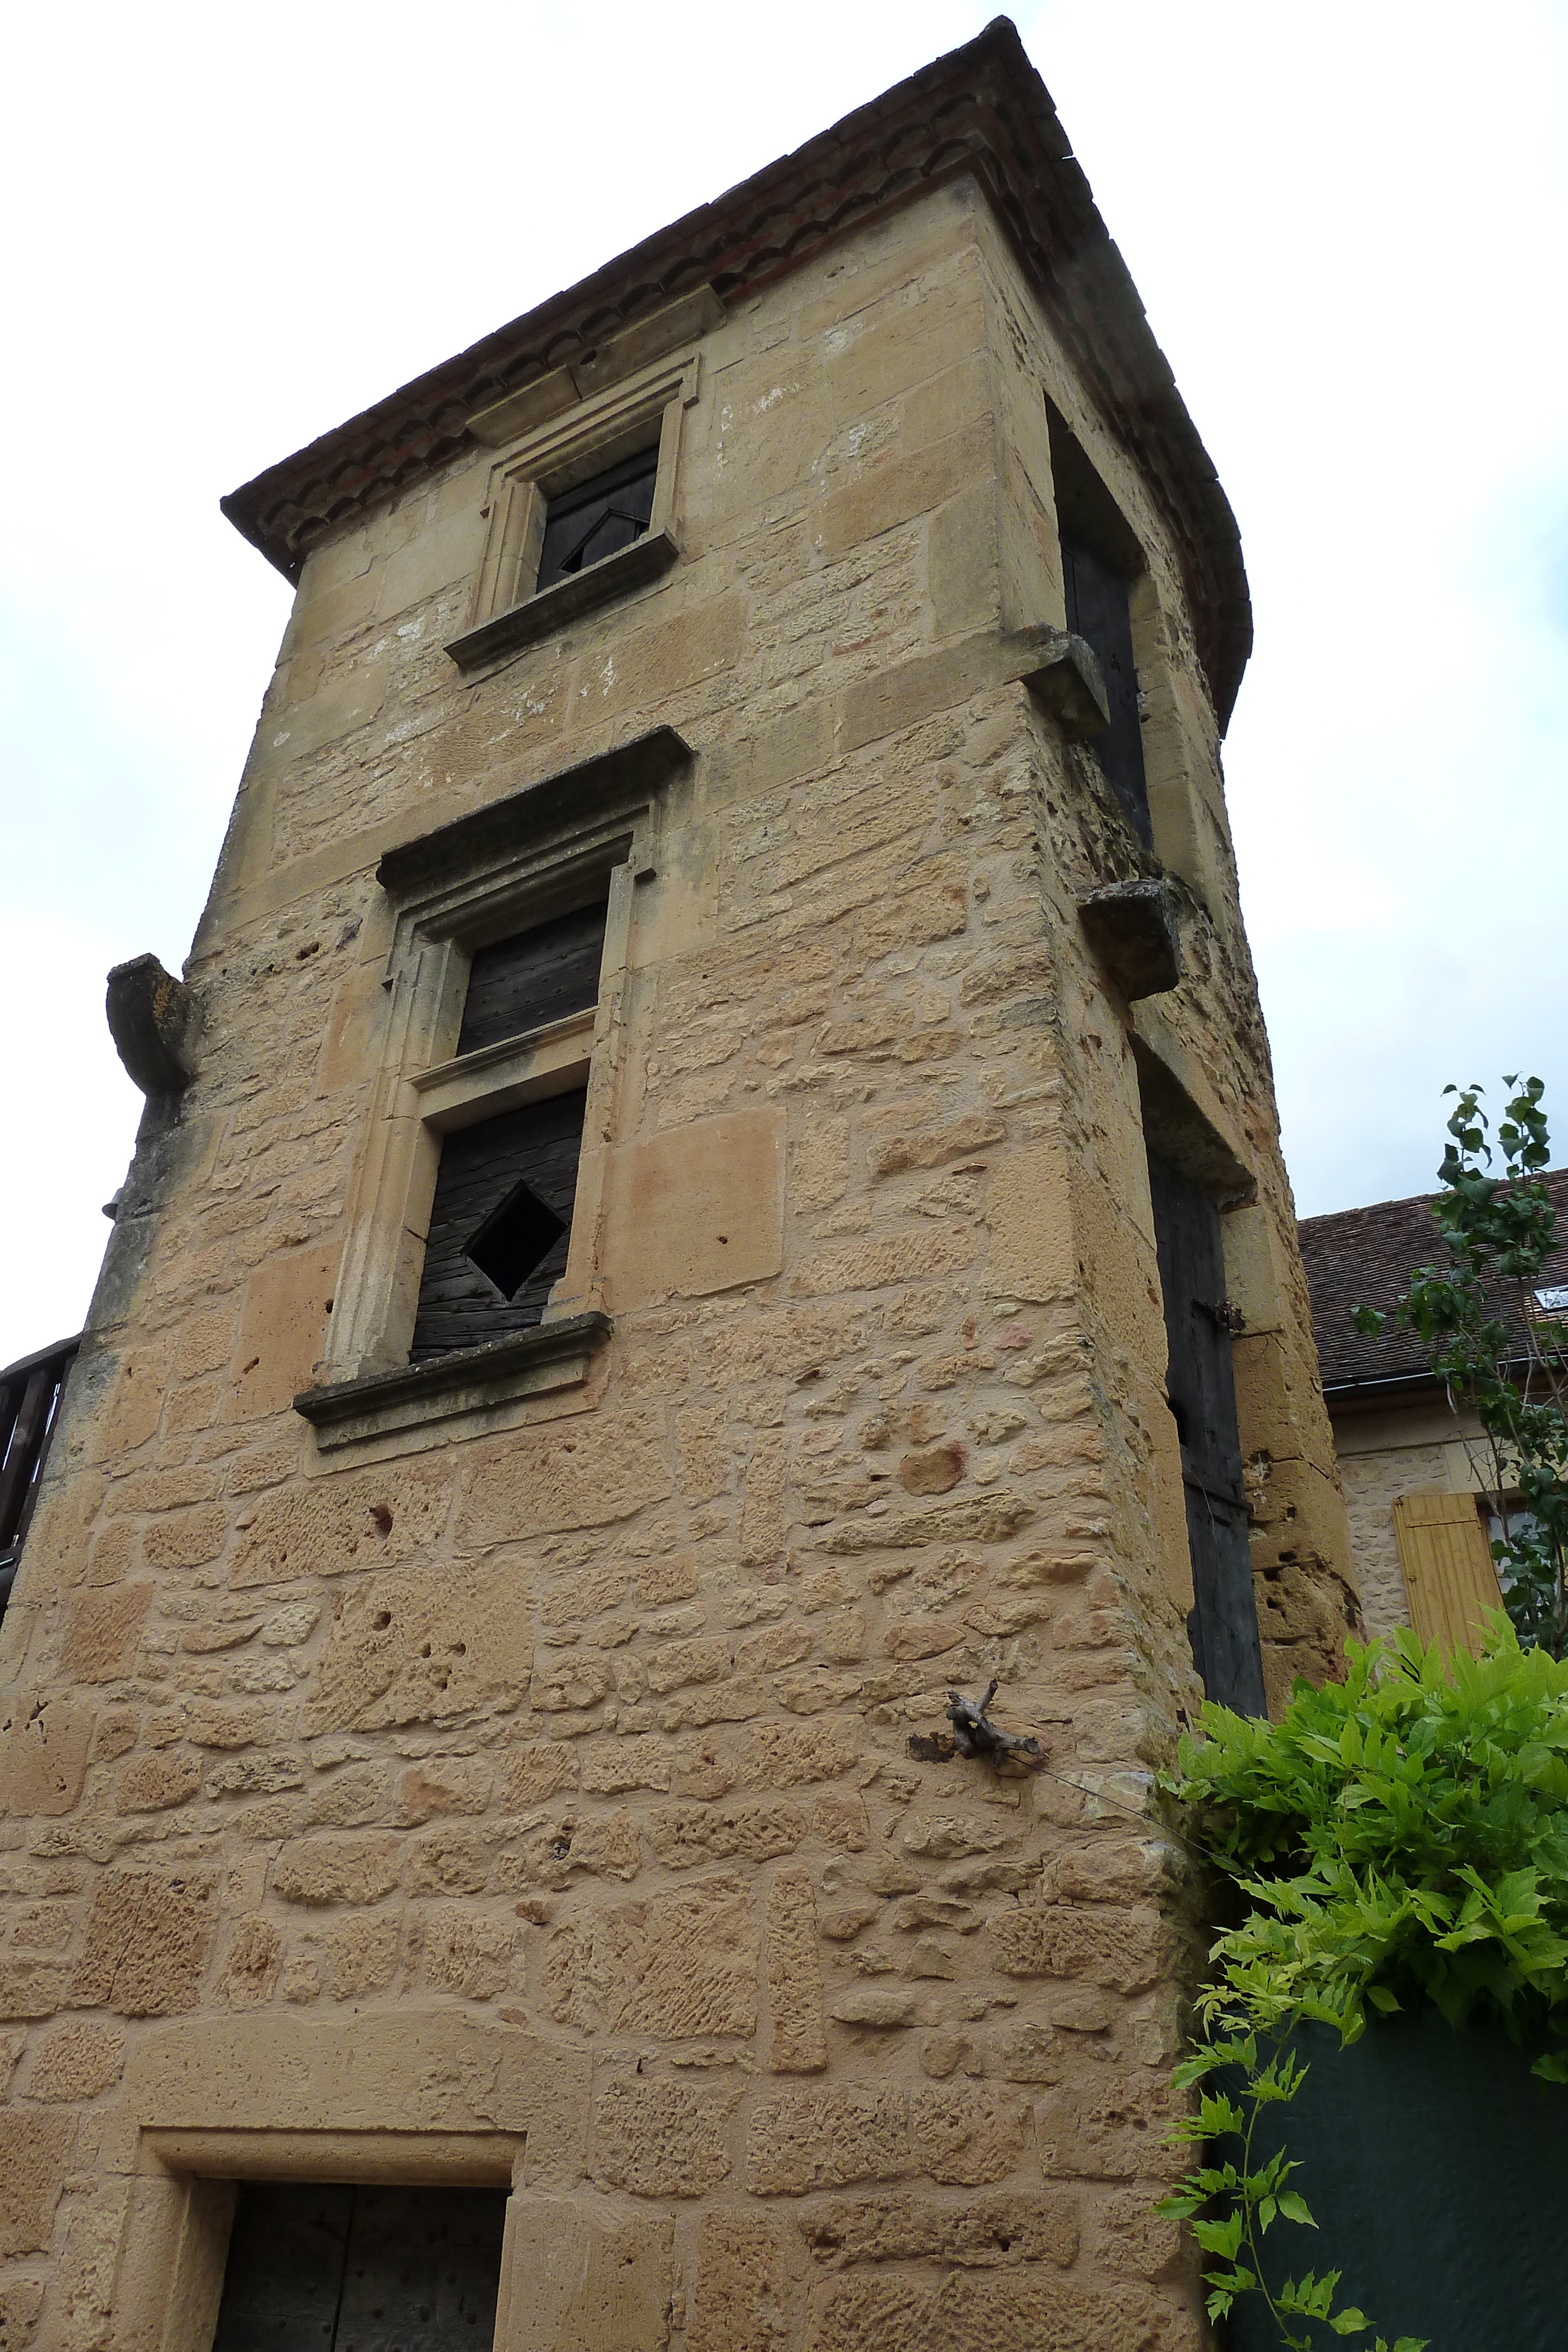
pixel 537 1790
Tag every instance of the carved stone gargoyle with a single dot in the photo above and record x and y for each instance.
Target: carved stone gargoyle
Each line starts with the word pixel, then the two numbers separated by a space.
pixel 152 1021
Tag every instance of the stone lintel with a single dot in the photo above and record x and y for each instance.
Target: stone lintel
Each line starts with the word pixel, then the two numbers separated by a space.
pixel 464 845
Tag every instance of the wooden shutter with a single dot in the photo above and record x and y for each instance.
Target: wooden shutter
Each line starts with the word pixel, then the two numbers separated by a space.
pixel 1449 1579
pixel 537 976
pixel 1201 1387
pixel 1098 610
pixel 522 1164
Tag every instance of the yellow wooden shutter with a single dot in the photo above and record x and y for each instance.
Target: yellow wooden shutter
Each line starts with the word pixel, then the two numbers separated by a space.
pixel 1447 1564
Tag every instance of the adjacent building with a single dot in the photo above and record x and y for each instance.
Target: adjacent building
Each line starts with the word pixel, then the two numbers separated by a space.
pixel 711 1178
pixel 1414 1464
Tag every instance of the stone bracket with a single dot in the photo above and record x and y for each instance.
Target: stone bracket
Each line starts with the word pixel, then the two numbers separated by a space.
pixel 1133 930
pixel 1064 678
pixel 152 1021
pixel 551 1357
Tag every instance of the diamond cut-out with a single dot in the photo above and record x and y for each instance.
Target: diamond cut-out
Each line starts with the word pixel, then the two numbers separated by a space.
pixel 515 1240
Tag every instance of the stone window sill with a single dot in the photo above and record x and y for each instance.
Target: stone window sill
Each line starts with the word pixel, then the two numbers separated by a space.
pixel 551 1357
pixel 648 558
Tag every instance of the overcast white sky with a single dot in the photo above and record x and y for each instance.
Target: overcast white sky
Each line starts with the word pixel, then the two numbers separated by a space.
pixel 228 229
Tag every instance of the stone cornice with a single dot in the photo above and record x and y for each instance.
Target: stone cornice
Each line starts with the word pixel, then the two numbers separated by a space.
pixel 982 111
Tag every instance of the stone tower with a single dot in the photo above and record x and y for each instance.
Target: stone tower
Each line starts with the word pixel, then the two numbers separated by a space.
pixel 712 1178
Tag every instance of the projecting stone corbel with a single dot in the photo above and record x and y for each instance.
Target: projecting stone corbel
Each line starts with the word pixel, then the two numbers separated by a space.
pixel 1132 928
pixel 1062 673
pixel 152 1021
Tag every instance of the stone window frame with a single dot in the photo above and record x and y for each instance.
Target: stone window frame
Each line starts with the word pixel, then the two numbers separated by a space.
pixel 555 845
pixel 505 612
pixel 170 2274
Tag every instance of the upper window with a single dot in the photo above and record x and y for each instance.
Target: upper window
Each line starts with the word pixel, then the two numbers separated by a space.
pixel 598 518
pixel 1099 560
pixel 578 511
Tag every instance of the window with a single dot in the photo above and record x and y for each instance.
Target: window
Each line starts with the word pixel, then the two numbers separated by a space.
pixel 360 2268
pixel 1100 559
pixel 32 1392
pixel 471 1278
pixel 598 518
pixel 500 1220
pixel 579 511
pixel 1201 1388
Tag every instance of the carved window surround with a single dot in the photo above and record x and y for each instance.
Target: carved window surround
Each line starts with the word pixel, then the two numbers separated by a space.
pixel 489 875
pixel 505 612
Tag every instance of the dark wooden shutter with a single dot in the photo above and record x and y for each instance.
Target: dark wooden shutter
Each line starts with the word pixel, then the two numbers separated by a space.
pixel 585 524
pixel 1201 1385
pixel 1098 609
pixel 499 1183
pixel 31 1394
pixel 501 1219
pixel 535 976
pixel 326 2269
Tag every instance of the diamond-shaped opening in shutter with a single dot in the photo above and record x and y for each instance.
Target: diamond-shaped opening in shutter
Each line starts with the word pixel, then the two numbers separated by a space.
pixel 515 1240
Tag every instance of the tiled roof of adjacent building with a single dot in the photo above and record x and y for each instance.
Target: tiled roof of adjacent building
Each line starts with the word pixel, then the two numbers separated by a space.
pixel 1364 1258
pixel 982 111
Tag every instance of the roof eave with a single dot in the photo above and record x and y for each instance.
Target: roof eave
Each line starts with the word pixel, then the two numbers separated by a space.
pixel 981 110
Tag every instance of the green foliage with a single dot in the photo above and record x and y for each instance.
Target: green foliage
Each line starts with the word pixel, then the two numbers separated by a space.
pixel 1400 1837
pixel 1500 1231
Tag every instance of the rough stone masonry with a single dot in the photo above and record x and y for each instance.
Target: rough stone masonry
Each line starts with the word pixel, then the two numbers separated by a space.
pixel 500 1769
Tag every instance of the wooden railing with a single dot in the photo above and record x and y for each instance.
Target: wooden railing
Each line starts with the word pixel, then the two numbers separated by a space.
pixel 30 1393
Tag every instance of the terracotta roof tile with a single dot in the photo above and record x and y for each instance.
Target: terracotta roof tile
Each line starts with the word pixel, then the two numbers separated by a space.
pixel 1364 1258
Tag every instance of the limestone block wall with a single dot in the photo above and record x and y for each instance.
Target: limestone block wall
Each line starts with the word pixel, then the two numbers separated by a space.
pixel 531 1796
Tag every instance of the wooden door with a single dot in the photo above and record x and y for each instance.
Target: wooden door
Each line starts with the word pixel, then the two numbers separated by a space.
pixel 1201 1387
pixel 315 2267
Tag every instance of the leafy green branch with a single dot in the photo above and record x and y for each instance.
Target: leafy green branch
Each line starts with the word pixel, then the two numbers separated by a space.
pixel 1400 1838
pixel 1252 2198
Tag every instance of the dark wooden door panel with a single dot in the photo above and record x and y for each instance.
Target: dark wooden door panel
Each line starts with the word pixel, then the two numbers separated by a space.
pixel 318 2268
pixel 1201 1384
pixel 1097 609
pixel 284 2271
pixel 533 1152
pixel 539 975
pixel 423 2270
